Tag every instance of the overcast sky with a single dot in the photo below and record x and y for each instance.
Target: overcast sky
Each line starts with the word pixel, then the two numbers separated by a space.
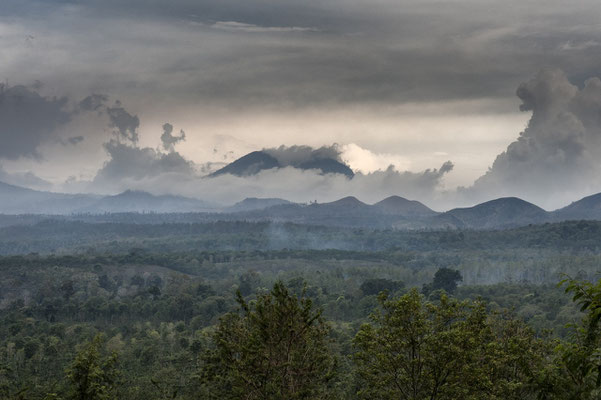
pixel 412 84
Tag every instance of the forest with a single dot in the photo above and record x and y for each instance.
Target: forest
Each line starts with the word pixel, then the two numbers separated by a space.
pixel 197 311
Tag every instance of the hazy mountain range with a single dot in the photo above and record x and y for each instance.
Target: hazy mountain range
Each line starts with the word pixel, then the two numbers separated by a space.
pixel 393 212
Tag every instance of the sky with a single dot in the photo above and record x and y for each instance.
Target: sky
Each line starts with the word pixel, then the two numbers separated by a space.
pixel 448 102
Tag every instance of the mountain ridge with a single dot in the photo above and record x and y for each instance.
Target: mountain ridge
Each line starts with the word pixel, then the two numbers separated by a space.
pixel 392 212
pixel 257 161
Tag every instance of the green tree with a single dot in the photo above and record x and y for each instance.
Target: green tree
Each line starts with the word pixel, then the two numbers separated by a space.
pixel 577 372
pixel 417 350
pixel 444 279
pixel 371 287
pixel 93 377
pixel 274 348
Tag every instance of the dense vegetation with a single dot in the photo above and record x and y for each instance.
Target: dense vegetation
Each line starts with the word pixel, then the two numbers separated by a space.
pixel 441 315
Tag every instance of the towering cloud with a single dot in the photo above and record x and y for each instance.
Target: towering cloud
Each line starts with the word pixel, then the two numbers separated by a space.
pixel 556 157
pixel 28 119
pixel 128 164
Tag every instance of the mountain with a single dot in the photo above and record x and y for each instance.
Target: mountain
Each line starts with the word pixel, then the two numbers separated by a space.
pixel 500 213
pixel 253 203
pixel 348 212
pixel 250 164
pixel 139 201
pixel 587 208
pixel 19 200
pixel 396 205
pixel 257 161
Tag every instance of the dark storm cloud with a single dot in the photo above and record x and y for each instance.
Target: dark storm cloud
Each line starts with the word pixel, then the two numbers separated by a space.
pixel 28 119
pixel 559 150
pixel 302 53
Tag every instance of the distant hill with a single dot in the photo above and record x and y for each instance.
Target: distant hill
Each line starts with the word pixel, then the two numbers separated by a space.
pixel 588 208
pixel 345 204
pixel 19 200
pixel 397 205
pixel 500 213
pixel 257 161
pixel 139 201
pixel 254 203
pixel 393 212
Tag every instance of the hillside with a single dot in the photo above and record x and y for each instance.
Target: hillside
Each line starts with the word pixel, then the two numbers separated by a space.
pixel 397 205
pixel 587 208
pixel 500 213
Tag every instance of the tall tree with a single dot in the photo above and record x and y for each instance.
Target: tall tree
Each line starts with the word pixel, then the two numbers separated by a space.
pixel 274 348
pixel 92 376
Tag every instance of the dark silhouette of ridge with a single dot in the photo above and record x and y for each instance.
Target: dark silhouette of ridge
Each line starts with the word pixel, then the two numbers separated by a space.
pixel 250 164
pixel 257 161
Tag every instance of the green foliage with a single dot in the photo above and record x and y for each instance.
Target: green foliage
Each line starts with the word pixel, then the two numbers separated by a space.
pixel 276 348
pixel 417 350
pixel 92 376
pixel 376 285
pixel 444 279
pixel 576 373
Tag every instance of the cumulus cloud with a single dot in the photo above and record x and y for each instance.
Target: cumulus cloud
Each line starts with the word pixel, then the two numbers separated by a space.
pixel 130 163
pixel 169 140
pixel 28 119
pixel 556 157
pixel 366 161
pixel 308 185
pixel 131 167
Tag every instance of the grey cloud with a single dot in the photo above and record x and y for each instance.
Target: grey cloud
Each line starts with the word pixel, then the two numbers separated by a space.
pixel 399 51
pixel 73 141
pixel 28 119
pixel 558 153
pixel 125 124
pixel 131 167
pixel 129 162
pixel 169 141
pixel 94 102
